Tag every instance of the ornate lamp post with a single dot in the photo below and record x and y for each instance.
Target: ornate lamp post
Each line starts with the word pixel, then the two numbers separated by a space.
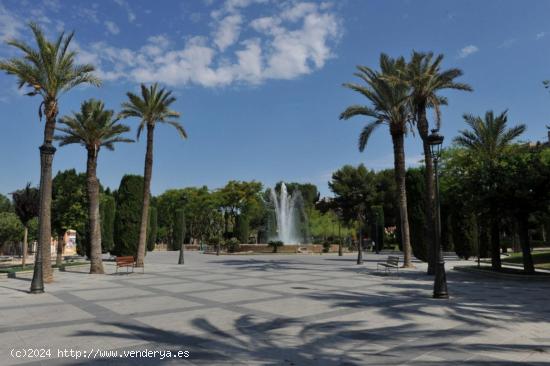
pixel 440 282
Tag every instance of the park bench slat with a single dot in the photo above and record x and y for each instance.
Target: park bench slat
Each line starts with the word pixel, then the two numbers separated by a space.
pixel 392 262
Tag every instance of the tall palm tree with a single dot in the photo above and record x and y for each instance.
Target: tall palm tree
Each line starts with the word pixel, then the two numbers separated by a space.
pixel 426 80
pixel 26 203
pixel 152 107
pixel 49 70
pixel 93 127
pixel 488 139
pixel 390 106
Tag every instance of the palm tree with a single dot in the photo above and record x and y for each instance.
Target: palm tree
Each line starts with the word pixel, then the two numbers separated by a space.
pixel 488 139
pixel 152 108
pixel 26 203
pixel 426 80
pixel 49 70
pixel 390 106
pixel 93 127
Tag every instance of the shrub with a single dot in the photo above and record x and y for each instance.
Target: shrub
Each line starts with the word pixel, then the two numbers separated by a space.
pixel 232 245
pixel 275 244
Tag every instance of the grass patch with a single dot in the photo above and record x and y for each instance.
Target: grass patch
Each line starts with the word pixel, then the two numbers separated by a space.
pixel 541 259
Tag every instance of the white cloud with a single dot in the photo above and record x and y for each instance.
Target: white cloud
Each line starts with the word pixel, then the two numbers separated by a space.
pixel 467 51
pixel 540 35
pixel 126 6
pixel 508 43
pixel 228 31
pixel 10 25
pixel 112 27
pixel 286 42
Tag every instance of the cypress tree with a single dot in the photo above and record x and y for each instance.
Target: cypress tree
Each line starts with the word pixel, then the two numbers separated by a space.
pixel 128 215
pixel 377 226
pixel 107 208
pixel 416 208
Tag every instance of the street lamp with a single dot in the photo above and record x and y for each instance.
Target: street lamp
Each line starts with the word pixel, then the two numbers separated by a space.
pixel 435 140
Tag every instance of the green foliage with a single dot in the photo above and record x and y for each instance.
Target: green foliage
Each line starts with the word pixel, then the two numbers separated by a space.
pixel 50 69
pixel 243 228
pixel 387 196
pixel 167 204
pixel 93 127
pixel 239 197
pixel 275 244
pixel 107 210
pixel 128 215
pixel 152 107
pixel 376 219
pixel 33 229
pixel 11 229
pixel 180 229
pixel 5 204
pixel 354 190
pixel 152 229
pixel 26 203
pixel 70 207
pixel 232 245
pixel 416 196
pixel 309 191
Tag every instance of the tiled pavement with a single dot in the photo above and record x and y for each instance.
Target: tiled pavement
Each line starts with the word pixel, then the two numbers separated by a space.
pixel 277 310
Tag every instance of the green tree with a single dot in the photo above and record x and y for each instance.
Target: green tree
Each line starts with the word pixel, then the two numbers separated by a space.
pixel 167 205
pixel 426 79
pixel 524 189
pixel 488 140
pixel 389 106
pixel 354 193
pixel 107 209
pixel 49 71
pixel 69 210
pixel 11 229
pixel 93 127
pixel 5 204
pixel 26 204
pixel 128 215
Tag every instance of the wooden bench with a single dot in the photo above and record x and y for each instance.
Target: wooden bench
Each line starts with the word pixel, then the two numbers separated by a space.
pixel 392 262
pixel 125 262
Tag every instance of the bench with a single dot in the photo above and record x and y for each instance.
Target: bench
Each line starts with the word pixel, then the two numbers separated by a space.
pixel 125 262
pixel 392 262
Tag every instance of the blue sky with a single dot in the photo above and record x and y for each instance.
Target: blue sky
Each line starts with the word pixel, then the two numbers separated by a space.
pixel 258 82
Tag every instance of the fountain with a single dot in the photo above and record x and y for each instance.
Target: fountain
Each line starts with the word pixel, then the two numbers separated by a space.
pixel 288 212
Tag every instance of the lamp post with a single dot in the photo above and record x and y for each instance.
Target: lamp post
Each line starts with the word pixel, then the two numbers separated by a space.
pixel 435 140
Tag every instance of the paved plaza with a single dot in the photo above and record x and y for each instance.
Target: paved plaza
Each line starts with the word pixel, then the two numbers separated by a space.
pixel 276 310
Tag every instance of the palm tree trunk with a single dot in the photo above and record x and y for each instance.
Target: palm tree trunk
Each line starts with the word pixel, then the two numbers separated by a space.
pixel 181 259
pixel 96 264
pixel 423 131
pixel 399 163
pixel 523 226
pixel 43 257
pixel 148 171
